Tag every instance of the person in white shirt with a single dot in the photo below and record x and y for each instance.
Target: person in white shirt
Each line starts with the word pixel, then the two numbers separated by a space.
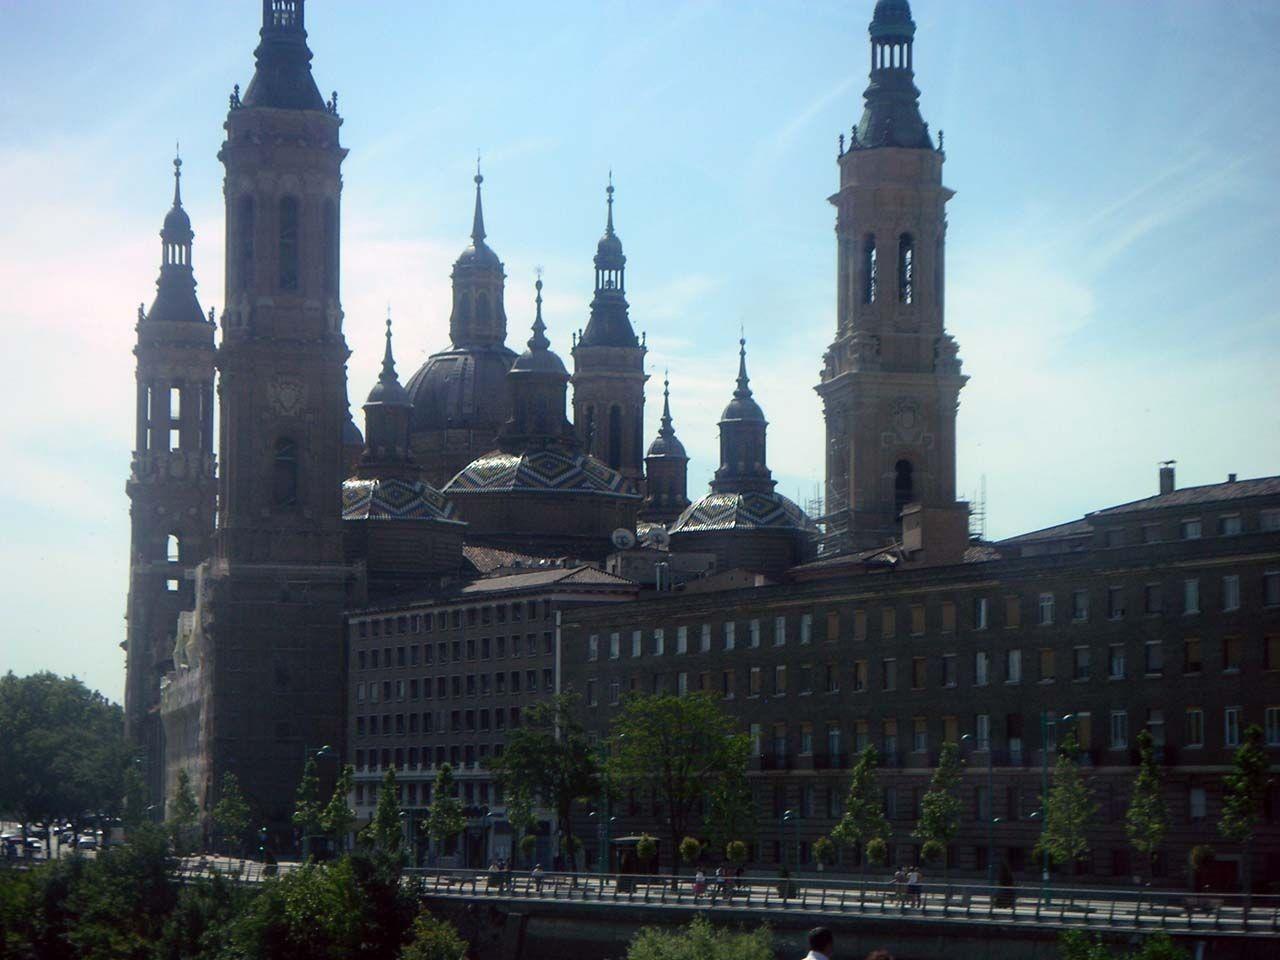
pixel 821 944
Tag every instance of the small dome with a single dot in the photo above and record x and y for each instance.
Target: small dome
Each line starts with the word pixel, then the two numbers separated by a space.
pixel 539 361
pixel 549 470
pixel 666 447
pixel 177 225
pixel 742 408
pixel 609 248
pixel 389 392
pixel 479 255
pixel 742 511
pixel 393 498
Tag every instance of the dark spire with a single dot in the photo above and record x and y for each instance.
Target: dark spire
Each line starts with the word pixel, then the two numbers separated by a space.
pixel 539 358
pixel 666 444
pixel 176 285
pixel 539 339
pixel 386 423
pixel 282 77
pixel 538 383
pixel 609 325
pixel 743 466
pixel 665 430
pixel 477 219
pixel 177 175
pixel 892 114
pixel 388 390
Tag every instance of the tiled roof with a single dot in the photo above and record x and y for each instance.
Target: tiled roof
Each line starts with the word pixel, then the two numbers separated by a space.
pixel 1072 528
pixel 394 499
pixel 564 576
pixel 549 471
pixel 742 511
pixel 1208 493
pixel 489 559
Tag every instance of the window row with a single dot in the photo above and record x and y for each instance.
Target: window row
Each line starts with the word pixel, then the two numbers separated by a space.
pixel 516 612
pixel 469 685
pixel 411 794
pixel 455 721
pixel 459 756
pixel 484 648
pixel 1192 528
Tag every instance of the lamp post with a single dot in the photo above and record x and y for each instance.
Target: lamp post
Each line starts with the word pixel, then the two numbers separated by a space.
pixel 312 753
pixel 787 817
pixel 1046 722
pixel 991 805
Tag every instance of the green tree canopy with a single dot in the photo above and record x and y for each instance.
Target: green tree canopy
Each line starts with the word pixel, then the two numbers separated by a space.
pixel 701 941
pixel 1069 809
pixel 184 814
pixel 337 819
pixel 731 812
pixel 1146 822
pixel 682 748
pixel 62 750
pixel 386 832
pixel 433 938
pixel 445 819
pixel 863 820
pixel 1244 792
pixel 231 815
pixel 550 757
pixel 307 808
pixel 940 806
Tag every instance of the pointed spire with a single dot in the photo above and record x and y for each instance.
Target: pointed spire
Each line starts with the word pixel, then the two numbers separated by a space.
pixel 477 221
pixel 177 176
pixel 608 227
pixel 666 429
pixel 388 374
pixel 387 391
pixel 744 382
pixel 539 342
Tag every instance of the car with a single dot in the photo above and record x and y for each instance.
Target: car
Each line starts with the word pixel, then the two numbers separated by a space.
pixel 87 842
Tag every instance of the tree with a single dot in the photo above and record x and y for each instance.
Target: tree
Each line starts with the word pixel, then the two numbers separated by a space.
pixel 863 821
pixel 386 835
pixel 682 749
pixel 646 849
pixel 306 807
pixel 184 811
pixel 940 806
pixel 1068 810
pixel 731 813
pixel 134 810
pixel 62 751
pixel 1147 820
pixel 520 816
pixel 1244 792
pixel 231 814
pixel 690 849
pixel 337 819
pixel 445 819
pixel 824 851
pixel 701 941
pixel 736 851
pixel 550 756
pixel 433 938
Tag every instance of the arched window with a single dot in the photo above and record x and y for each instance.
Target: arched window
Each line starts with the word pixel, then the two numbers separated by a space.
pixel 284 475
pixel 615 436
pixel 331 247
pixel 244 242
pixel 288 243
pixel 869 279
pixel 172 548
pixel 906 268
pixel 482 308
pixel 903 484
pixel 464 307
pixel 589 430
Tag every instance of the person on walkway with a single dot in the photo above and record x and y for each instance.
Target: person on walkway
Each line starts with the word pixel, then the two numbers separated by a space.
pixel 899 885
pixel 915 887
pixel 821 944
pixel 699 883
pixel 537 876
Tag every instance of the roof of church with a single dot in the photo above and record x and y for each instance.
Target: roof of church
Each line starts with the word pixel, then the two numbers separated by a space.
pixel 282 74
pixel 666 443
pixel 550 470
pixel 461 388
pixel 754 510
pixel 576 576
pixel 393 498
pixel 1207 493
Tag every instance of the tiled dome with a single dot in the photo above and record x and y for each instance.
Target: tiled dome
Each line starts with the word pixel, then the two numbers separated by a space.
pixel 742 511
pixel 394 499
pixel 554 469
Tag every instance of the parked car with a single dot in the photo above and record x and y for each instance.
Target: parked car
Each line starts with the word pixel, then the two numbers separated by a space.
pixel 87 841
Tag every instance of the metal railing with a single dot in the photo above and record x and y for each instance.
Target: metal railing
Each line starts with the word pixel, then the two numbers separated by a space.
pixel 1091 908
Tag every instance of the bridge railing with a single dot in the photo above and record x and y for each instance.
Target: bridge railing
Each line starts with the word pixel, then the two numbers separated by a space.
pixel 1089 907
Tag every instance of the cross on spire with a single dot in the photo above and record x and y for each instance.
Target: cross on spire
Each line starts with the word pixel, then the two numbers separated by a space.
pixel 477 221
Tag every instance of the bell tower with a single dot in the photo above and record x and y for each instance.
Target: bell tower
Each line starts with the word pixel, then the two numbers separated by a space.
pixel 891 379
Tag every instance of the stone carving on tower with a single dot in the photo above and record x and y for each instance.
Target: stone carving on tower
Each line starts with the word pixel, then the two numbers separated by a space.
pixel 460 394
pixel 266 667
pixel 608 367
pixel 891 380
pixel 171 483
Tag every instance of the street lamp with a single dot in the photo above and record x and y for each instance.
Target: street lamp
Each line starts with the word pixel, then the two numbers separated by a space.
pixel 312 753
pixel 787 817
pixel 1046 722
pixel 484 833
pixel 991 805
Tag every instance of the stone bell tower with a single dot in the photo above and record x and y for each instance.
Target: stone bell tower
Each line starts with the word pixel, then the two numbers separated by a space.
pixel 891 379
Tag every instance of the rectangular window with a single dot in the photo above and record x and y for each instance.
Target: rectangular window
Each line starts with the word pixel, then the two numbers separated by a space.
pixel 1197 805
pixel 861 735
pixel 1012 612
pixel 1232 653
pixel 859 625
pixel 919 673
pixel 981 613
pixel 982 731
pixel 1192 659
pixel 833 740
pixel 1269 521
pixel 780 680
pixel 831 678
pixel 888 622
pixel 1046 609
pixel 1229 526
pixel 950 729
pixel 950 670
pixel 1271 726
pixel 1231 592
pixel 753 634
pixel 806 628
pixel 859 676
pixel 948 616
pixel 1080 663
pixel 1116 661
pixel 780 740
pixel 779 631
pixel 755 737
pixel 1191 596
pixel 1231 727
pixel 806 739
pixel 1153 656
pixel 1195 727
pixel 591 696
pixel 593 647
pixel 1271 588
pixel 615 646
pixel 889 673
pixel 729 641
pixel 682 683
pixel 682 639
pixel 1151 533
pixel 727 684
pixel 920 735
pixel 1271 652
pixel 637 643
pixel 1152 599
pixel 917 620
pixel 1115 603
pixel 1155 724
pixel 1013 666
pixel 615 692
pixel 833 626
pixel 1119 730
pixel 704 638
pixel 1079 606
pixel 1189 529
pixel 1047 673
pixel 889 737
pixel 981 669
pixel 659 642
pixel 753 682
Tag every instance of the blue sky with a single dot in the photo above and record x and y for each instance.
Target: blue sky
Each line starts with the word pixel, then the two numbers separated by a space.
pixel 1112 265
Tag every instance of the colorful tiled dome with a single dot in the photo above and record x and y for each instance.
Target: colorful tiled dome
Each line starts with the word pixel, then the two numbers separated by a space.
pixel 393 498
pixel 742 511
pixel 547 470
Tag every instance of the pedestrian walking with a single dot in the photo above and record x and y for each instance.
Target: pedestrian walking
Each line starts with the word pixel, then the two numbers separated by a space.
pixel 899 885
pixel 699 883
pixel 537 877
pixel 915 887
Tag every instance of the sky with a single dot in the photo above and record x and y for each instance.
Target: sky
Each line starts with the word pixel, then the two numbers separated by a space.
pixel 1112 259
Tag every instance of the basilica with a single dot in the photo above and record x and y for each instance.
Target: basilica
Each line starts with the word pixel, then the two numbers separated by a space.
pixel 498 532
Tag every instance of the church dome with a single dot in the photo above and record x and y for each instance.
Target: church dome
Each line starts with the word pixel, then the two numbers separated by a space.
pixel 742 408
pixel 176 224
pixel 552 470
pixel 351 435
pixel 479 255
pixel 754 510
pixel 394 498
pixel 461 389
pixel 666 447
